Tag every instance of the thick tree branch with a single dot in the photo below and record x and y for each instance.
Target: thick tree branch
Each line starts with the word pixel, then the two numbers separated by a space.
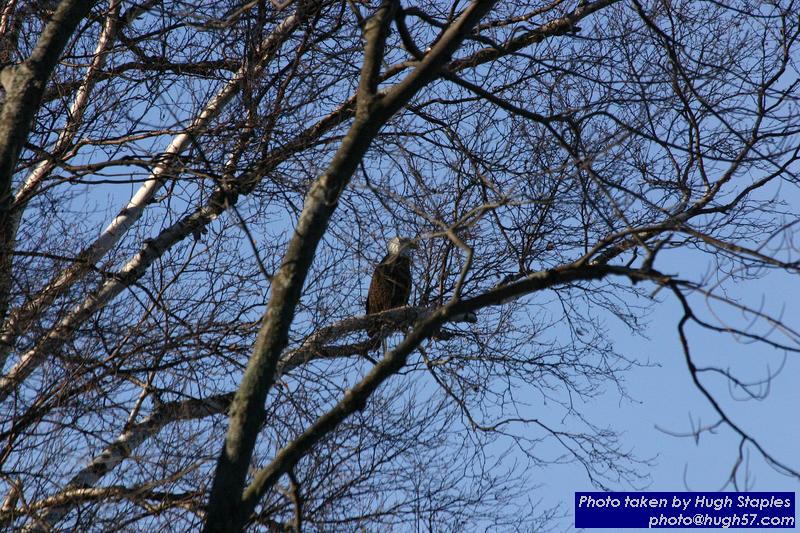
pixel 314 347
pixel 355 398
pixel 65 139
pixel 225 512
pixel 122 448
pixel 24 85
pixel 220 201
pixel 135 268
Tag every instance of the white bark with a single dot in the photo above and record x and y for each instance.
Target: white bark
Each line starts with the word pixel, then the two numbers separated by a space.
pixel 77 108
pixel 124 446
pixel 313 347
pixel 133 211
pixel 115 231
pixel 64 141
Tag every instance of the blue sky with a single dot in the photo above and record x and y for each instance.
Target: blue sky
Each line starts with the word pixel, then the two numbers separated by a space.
pixel 666 398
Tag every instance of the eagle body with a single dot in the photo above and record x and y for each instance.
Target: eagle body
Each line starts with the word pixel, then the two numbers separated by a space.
pixel 391 281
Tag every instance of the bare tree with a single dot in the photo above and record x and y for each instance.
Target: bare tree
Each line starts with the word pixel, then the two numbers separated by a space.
pixel 194 197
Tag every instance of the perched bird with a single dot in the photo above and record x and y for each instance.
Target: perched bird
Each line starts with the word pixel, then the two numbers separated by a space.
pixel 391 282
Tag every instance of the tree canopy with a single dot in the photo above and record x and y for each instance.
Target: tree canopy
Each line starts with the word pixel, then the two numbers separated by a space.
pixel 194 197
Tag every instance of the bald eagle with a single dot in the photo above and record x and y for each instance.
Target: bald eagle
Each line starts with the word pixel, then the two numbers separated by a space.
pixel 391 282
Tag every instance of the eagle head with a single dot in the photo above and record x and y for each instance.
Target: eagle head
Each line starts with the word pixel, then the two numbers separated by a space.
pixel 402 246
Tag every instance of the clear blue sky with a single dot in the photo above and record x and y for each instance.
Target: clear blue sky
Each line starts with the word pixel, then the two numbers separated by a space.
pixel 667 399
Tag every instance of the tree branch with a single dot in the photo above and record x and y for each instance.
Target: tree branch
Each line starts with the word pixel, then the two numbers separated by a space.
pixel 24 85
pixel 225 511
pixel 135 268
pixel 355 398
